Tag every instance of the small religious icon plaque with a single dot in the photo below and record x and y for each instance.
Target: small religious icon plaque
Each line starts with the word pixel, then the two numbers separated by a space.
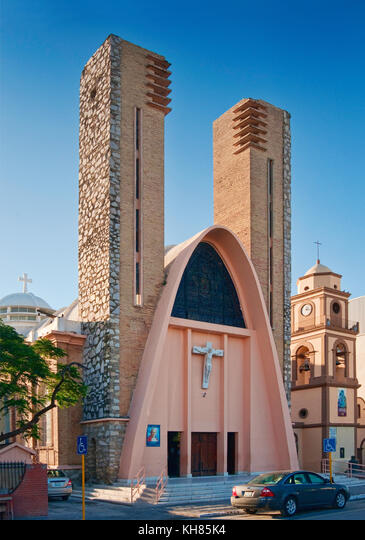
pixel 153 435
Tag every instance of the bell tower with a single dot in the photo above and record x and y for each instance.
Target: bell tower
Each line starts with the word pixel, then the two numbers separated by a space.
pixel 324 383
pixel 124 99
pixel 252 196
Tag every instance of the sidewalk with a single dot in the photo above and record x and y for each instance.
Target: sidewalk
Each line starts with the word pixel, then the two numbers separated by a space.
pixel 141 510
pixel 194 510
pixel 357 492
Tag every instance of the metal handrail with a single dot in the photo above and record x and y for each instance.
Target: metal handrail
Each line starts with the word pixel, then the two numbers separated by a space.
pixel 139 481
pixel 356 469
pixel 346 468
pixel 161 485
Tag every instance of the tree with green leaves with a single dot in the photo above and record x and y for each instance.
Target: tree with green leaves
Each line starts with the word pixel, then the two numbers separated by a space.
pixel 33 380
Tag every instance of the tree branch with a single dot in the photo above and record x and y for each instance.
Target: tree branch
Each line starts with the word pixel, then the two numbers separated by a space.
pixel 35 419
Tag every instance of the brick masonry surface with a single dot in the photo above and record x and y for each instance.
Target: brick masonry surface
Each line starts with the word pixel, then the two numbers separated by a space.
pixel 30 499
pixel 241 204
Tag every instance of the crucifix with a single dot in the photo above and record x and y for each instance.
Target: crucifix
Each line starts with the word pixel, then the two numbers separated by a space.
pixel 209 353
pixel 318 244
pixel 26 281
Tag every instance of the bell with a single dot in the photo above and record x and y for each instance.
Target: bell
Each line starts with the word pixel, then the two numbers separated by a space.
pixel 304 367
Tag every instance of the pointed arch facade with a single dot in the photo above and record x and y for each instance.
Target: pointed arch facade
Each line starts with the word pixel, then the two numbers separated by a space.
pixel 242 411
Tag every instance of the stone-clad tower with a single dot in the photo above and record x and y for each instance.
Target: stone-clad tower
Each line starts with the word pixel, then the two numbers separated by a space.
pixel 123 102
pixel 252 188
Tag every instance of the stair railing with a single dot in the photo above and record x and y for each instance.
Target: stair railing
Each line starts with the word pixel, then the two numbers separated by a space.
pixel 137 483
pixel 161 485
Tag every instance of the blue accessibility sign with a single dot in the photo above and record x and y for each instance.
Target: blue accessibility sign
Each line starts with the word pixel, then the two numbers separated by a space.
pixel 82 445
pixel 329 445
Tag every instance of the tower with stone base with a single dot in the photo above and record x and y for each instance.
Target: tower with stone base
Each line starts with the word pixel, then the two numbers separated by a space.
pixel 252 193
pixel 123 102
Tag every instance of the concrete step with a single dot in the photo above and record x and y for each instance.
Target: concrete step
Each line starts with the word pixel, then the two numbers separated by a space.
pixel 205 489
pixel 182 490
pixel 118 494
pixel 347 481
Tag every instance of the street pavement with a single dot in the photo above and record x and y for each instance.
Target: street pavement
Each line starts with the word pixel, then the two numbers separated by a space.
pixel 143 511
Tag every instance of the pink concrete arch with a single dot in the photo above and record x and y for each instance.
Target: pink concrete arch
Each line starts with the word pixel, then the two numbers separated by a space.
pixel 263 349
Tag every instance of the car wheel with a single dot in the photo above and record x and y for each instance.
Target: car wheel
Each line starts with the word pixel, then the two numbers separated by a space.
pixel 340 500
pixel 290 507
pixel 250 511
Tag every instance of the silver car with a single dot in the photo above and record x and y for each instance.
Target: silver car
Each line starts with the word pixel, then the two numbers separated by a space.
pixel 59 485
pixel 289 491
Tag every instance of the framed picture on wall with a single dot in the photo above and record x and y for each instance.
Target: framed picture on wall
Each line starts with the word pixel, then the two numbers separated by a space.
pixel 153 435
pixel 341 402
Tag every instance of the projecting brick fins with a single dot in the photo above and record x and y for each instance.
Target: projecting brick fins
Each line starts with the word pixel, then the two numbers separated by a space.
pixel 157 83
pixel 249 126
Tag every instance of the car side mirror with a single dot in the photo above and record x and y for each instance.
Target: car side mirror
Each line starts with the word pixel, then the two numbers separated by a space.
pixel 327 481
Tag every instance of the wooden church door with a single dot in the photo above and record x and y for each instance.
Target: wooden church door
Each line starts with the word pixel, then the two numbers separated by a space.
pixel 203 454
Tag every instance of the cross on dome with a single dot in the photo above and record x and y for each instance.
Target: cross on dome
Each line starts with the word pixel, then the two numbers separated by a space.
pixel 318 244
pixel 26 280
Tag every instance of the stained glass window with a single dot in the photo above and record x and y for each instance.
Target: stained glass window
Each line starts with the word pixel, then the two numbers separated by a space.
pixel 206 292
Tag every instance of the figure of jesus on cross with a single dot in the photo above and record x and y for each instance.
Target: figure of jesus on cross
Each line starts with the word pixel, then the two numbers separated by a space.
pixel 209 353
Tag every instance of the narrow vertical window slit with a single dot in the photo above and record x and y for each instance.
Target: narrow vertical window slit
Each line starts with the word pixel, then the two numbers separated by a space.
pixel 270 227
pixel 138 210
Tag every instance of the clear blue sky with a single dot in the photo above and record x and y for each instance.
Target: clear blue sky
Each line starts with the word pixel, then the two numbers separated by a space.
pixel 306 57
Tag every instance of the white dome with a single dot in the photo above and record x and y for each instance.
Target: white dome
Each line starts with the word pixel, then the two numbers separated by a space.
pixel 24 299
pixel 318 268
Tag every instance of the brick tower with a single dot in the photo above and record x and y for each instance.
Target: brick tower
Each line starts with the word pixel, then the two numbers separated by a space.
pixel 252 193
pixel 123 103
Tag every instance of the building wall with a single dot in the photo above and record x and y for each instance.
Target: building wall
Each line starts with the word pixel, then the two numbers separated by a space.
pixel 310 399
pixel 312 449
pixel 357 313
pixel 30 499
pixel 58 449
pixel 241 202
pixel 218 409
pixel 344 439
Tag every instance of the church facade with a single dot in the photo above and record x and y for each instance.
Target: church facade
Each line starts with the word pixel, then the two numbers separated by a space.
pixel 186 349
pixel 180 355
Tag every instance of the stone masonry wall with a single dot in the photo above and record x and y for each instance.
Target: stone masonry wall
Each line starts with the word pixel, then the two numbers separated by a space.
pixel 113 85
pixel 99 244
pixel 287 251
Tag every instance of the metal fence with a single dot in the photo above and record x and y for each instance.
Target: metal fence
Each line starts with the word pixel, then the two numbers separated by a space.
pixel 344 468
pixel 11 475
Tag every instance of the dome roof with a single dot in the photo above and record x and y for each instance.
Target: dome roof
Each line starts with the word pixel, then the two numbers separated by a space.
pixel 318 268
pixel 24 299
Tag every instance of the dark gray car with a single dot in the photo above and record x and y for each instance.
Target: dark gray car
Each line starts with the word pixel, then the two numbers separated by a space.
pixel 288 491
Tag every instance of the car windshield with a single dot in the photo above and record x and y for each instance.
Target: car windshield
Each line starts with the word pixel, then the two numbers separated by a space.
pixel 267 478
pixel 55 474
